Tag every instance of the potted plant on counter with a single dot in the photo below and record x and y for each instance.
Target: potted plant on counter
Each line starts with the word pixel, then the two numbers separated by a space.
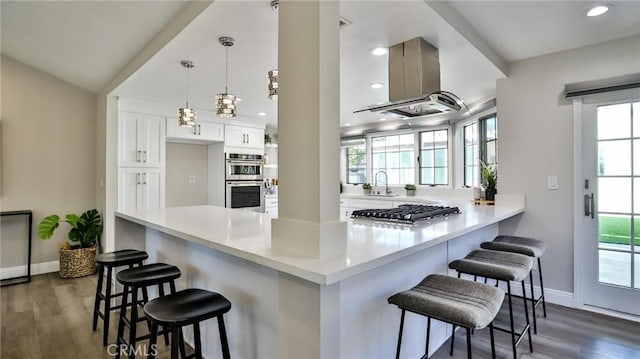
pixel 78 258
pixel 489 179
pixel 366 187
pixel 411 189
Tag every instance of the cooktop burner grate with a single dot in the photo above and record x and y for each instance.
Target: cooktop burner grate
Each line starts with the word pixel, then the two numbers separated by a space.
pixel 406 213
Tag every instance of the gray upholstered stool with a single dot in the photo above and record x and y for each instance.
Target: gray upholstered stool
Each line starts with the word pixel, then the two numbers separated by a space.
pixel 501 266
pixel 456 301
pixel 529 247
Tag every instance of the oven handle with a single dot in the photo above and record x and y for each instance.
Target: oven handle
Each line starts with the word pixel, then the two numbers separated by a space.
pixel 245 183
pixel 257 163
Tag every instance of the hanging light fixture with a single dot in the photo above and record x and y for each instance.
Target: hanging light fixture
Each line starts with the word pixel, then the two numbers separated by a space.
pixel 273 85
pixel 187 115
pixel 226 104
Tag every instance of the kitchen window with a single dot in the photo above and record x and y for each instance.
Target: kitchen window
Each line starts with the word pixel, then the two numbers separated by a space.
pixel 394 155
pixel 356 163
pixel 480 141
pixel 434 157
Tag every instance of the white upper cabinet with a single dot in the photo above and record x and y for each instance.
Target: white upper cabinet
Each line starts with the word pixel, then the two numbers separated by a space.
pixel 247 137
pixel 203 132
pixel 141 140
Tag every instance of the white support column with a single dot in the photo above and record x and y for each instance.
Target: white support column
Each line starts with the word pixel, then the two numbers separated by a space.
pixel 309 130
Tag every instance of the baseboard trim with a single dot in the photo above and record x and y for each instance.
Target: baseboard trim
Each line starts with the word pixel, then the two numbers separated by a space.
pixel 611 313
pixel 36 268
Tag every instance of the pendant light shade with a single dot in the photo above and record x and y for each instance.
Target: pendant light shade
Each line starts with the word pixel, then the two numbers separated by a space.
pixel 273 84
pixel 226 103
pixel 186 115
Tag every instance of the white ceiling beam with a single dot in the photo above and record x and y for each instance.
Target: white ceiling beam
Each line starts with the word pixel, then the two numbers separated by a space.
pixel 453 18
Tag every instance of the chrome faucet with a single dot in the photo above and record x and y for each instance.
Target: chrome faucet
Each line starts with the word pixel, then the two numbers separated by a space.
pixel 386 182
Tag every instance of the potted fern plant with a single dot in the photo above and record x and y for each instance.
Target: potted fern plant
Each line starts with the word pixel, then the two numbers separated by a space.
pixel 489 179
pixel 78 256
pixel 411 189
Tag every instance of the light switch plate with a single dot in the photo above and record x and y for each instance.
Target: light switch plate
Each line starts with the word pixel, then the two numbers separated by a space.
pixel 192 179
pixel 552 182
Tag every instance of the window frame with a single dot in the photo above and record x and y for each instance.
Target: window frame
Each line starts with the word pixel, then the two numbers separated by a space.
pixel 419 158
pixel 345 147
pixel 482 143
pixel 370 138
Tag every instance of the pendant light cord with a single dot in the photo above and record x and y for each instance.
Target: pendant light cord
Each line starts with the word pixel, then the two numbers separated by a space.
pixel 188 87
pixel 226 75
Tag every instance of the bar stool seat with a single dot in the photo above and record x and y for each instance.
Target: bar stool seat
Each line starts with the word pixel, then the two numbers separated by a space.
pixel 530 247
pixel 134 279
pixel 500 266
pixel 188 307
pixel 456 301
pixel 109 261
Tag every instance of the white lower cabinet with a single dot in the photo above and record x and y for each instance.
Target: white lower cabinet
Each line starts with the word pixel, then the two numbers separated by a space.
pixel 349 205
pixel 141 188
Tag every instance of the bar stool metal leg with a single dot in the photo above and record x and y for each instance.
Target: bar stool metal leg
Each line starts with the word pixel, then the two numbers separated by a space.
pixel 544 301
pixel 526 315
pixel 123 313
pixel 426 346
pixel 133 322
pixel 513 331
pixel 533 303
pixel 468 343
pixel 493 346
pixel 153 340
pixel 175 339
pixel 400 335
pixel 453 338
pixel 223 338
pixel 96 305
pixel 196 340
pixel 107 307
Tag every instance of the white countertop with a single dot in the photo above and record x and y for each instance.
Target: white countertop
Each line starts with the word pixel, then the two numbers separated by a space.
pixel 370 244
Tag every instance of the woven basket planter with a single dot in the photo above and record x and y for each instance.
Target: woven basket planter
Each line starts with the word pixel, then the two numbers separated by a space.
pixel 75 263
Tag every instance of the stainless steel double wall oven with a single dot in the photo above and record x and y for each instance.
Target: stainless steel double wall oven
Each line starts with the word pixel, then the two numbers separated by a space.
pixel 244 186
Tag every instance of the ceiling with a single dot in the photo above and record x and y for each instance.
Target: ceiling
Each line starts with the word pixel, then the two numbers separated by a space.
pixel 475 39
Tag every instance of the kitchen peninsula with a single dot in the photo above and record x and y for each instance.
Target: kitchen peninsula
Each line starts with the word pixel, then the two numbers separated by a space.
pixel 291 306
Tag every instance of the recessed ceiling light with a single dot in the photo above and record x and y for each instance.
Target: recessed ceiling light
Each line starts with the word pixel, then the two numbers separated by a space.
pixel 261 114
pixel 382 119
pixel 598 10
pixel 347 124
pixel 376 85
pixel 378 51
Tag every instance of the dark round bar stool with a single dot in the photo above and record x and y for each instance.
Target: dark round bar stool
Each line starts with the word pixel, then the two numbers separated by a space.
pixel 109 261
pixel 187 307
pixel 460 302
pixel 529 247
pixel 500 266
pixel 135 279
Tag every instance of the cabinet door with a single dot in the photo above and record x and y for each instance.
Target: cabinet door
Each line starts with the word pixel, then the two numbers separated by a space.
pixel 178 132
pixel 151 141
pixel 152 188
pixel 344 213
pixel 129 181
pixel 129 155
pixel 254 137
pixel 234 136
pixel 210 131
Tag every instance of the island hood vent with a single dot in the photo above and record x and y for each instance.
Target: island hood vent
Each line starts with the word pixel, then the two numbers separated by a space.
pixel 414 83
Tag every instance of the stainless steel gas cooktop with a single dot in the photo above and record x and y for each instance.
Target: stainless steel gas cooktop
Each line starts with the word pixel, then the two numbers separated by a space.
pixel 406 213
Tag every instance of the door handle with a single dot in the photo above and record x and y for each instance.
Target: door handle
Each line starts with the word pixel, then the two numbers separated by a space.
pixel 589 205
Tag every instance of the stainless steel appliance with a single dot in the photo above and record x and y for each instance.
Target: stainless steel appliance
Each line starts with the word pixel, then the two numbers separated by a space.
pixel 244 185
pixel 240 166
pixel 245 194
pixel 406 213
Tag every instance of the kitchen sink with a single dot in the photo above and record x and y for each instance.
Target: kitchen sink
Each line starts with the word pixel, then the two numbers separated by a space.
pixel 382 195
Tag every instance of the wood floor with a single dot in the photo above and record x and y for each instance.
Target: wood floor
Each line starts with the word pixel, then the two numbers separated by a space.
pixel 50 318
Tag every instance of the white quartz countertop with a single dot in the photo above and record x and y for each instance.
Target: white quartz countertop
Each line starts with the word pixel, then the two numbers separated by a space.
pixel 370 244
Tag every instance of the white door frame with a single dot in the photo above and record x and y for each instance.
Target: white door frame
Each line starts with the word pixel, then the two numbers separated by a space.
pixel 581 223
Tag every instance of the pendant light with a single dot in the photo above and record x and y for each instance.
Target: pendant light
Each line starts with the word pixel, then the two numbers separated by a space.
pixel 273 84
pixel 226 104
pixel 187 115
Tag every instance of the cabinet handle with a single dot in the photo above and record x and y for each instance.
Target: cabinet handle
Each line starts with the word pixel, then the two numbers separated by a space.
pixel 144 178
pixel 145 155
pixel 247 138
pixel 199 130
pixel 138 156
pixel 194 130
pixel 138 178
pixel 243 140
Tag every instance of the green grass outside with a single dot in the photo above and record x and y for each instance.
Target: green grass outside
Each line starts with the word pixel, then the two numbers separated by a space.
pixel 617 230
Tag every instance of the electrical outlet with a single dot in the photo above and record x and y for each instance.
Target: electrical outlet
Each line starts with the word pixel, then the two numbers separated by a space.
pixel 192 179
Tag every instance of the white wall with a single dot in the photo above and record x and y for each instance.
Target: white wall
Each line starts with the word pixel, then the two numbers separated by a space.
pixel 536 139
pixel 48 149
pixel 184 160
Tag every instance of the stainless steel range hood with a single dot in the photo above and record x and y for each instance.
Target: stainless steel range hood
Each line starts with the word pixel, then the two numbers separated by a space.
pixel 414 83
